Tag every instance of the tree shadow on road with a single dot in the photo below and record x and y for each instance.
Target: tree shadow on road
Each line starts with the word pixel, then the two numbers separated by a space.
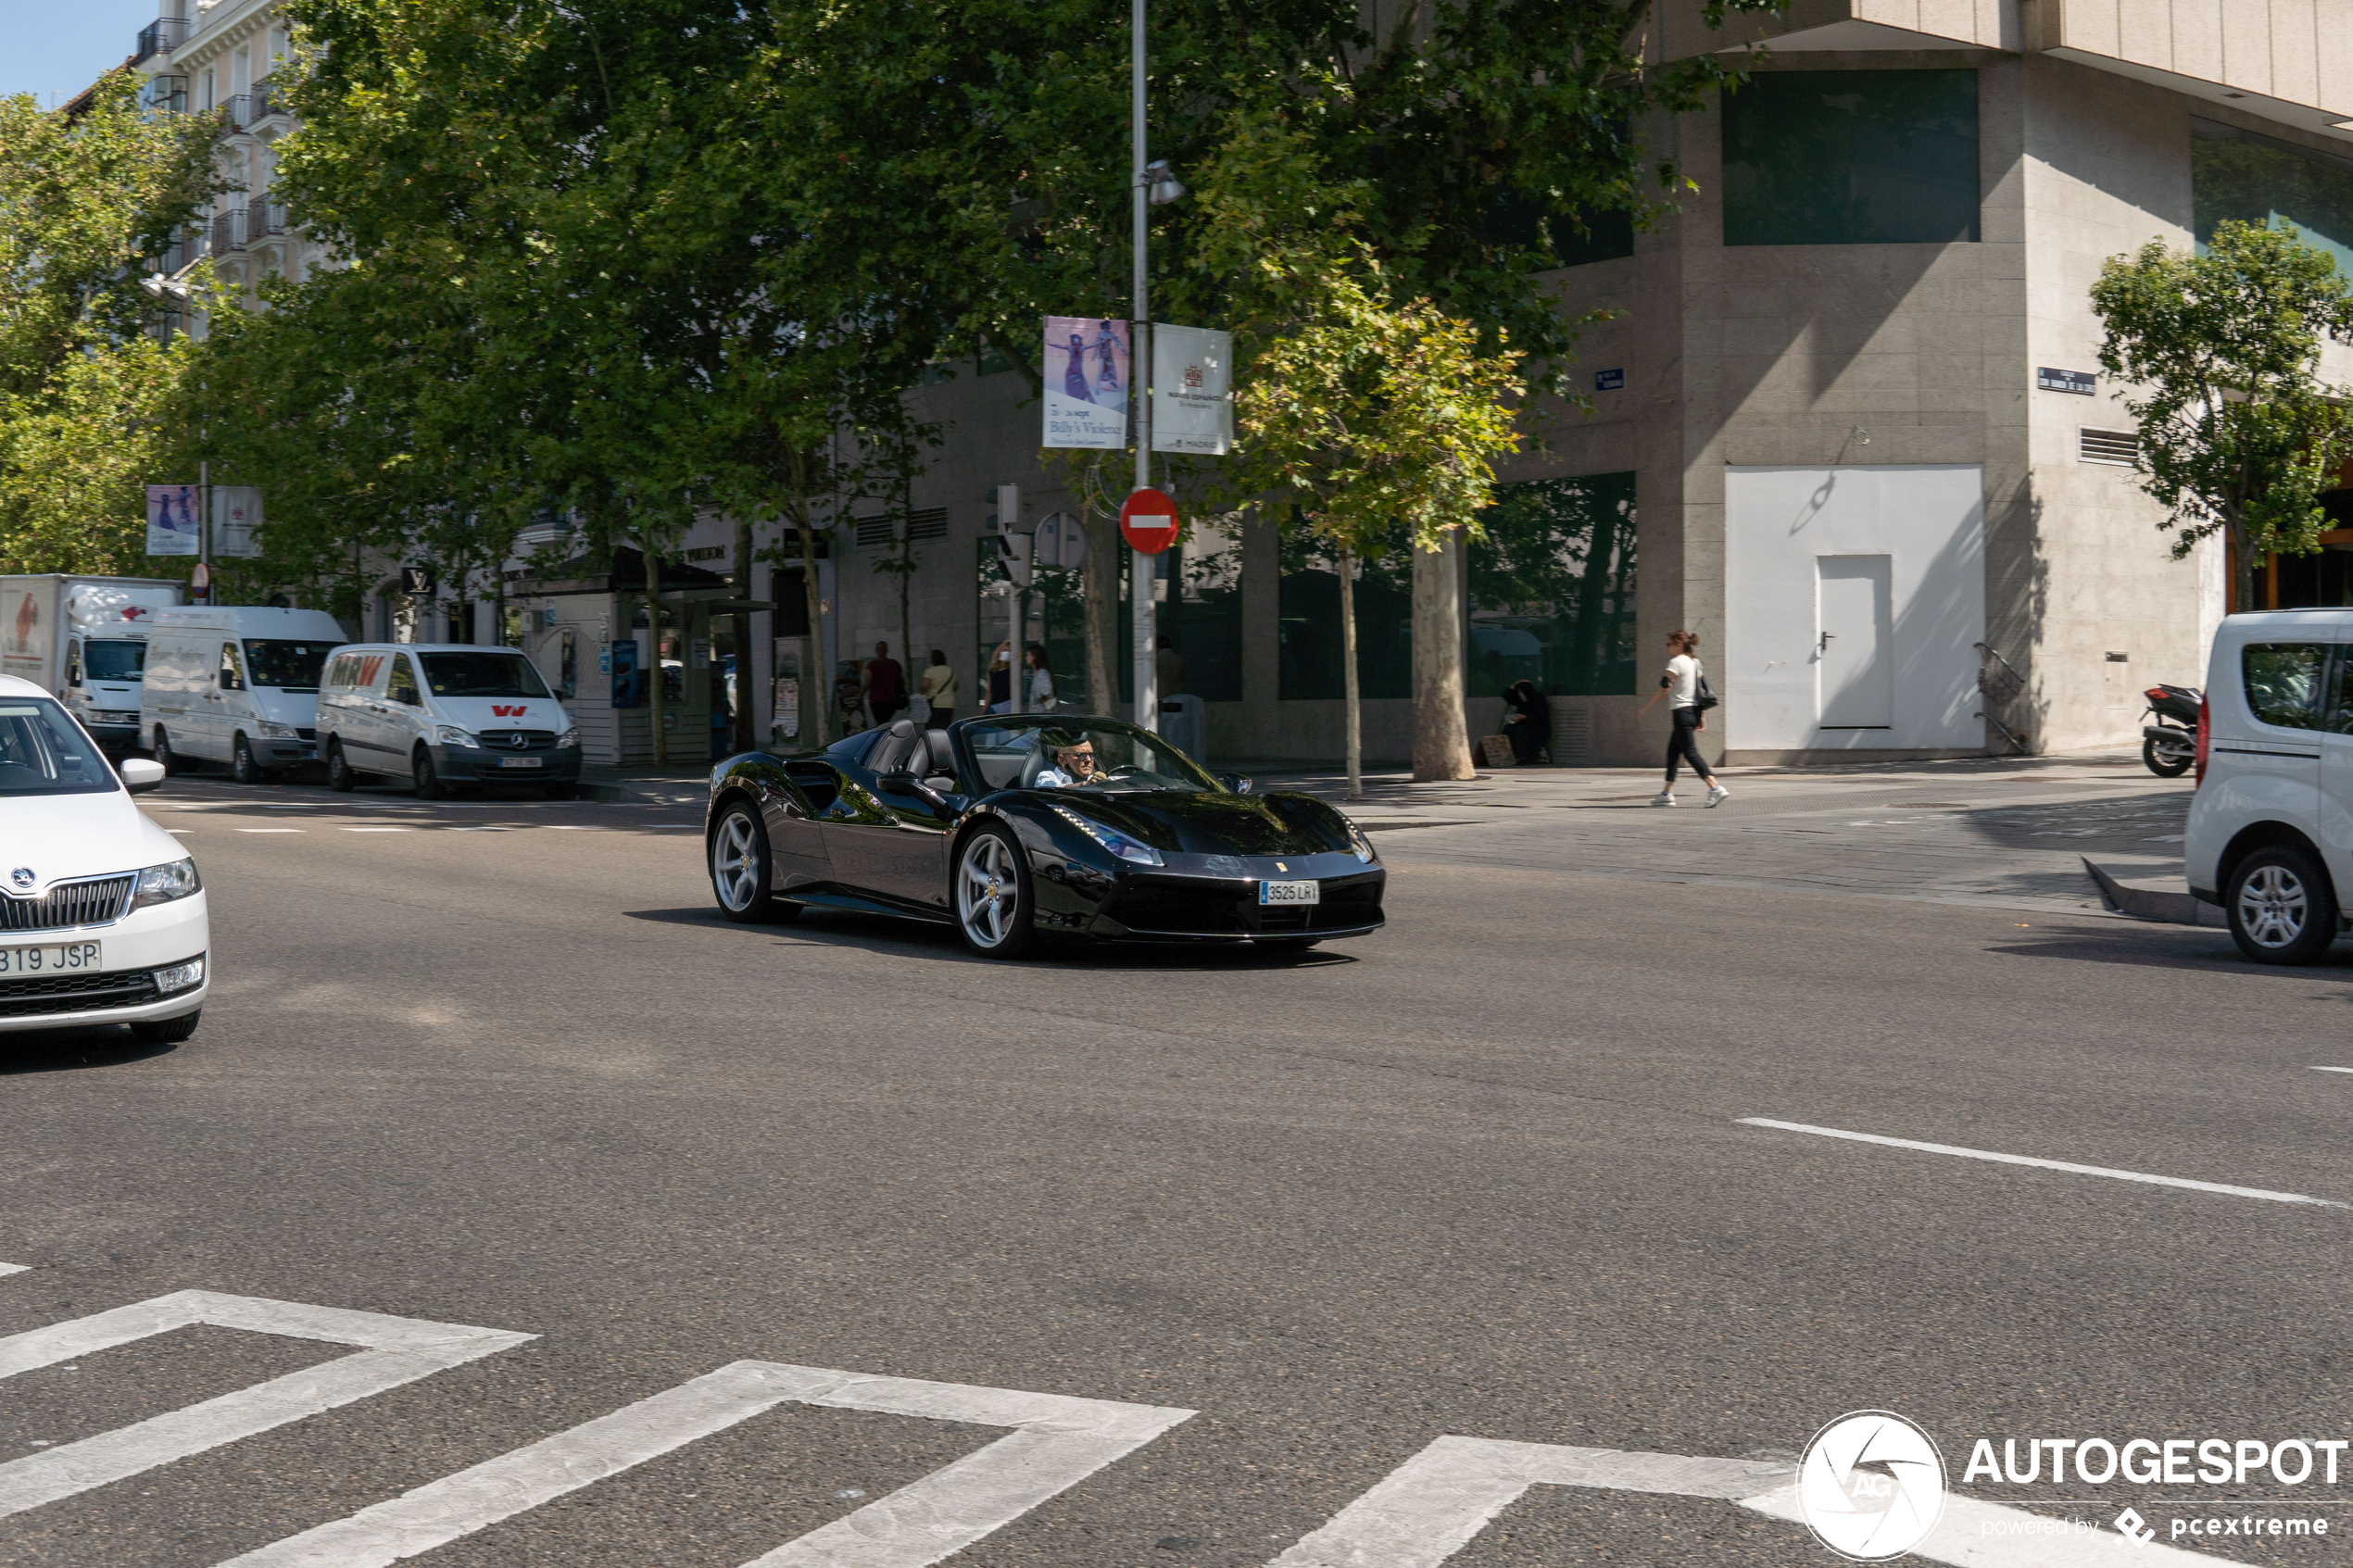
pixel 920 939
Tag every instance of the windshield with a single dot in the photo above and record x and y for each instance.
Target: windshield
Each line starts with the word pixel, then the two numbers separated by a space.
pixel 290 666
pixel 117 658
pixel 1044 753
pixel 491 673
pixel 42 752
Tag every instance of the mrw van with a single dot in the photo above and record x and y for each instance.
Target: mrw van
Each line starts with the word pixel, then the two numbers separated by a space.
pixel 441 714
pixel 237 684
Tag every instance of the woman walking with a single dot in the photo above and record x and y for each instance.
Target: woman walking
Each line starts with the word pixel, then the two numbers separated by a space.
pixel 1680 684
pixel 1041 680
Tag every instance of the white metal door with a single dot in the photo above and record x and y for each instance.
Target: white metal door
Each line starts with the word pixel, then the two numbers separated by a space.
pixel 1853 645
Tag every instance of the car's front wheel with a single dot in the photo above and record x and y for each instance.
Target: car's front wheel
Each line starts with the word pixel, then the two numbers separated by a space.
pixel 243 767
pixel 169 760
pixel 739 869
pixel 993 902
pixel 426 777
pixel 2281 906
pixel 340 778
pixel 164 1031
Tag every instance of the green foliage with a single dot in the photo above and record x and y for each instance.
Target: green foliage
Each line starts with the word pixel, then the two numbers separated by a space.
pixel 85 196
pixel 2237 434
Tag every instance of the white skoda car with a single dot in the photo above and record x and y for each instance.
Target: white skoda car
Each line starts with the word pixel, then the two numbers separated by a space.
pixel 102 915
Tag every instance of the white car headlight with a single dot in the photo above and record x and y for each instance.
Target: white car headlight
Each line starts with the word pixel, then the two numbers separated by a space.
pixel 1361 846
pixel 161 884
pixel 1119 843
pixel 452 735
pixel 270 729
pixel 569 738
pixel 180 976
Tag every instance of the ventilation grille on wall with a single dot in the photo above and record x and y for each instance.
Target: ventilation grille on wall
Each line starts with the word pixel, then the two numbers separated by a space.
pixel 1572 737
pixel 2119 446
pixel 876 533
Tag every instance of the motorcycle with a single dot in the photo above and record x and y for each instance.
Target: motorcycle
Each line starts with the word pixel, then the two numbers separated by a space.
pixel 2170 746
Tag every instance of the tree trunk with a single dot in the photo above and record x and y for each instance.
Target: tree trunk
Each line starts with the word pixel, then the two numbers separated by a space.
pixel 747 733
pixel 1350 686
pixel 653 634
pixel 1102 612
pixel 1441 745
pixel 2242 569
pixel 817 688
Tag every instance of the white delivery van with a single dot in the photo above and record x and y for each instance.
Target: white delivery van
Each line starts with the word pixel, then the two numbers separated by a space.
pixel 2271 829
pixel 235 683
pixel 441 714
pixel 84 640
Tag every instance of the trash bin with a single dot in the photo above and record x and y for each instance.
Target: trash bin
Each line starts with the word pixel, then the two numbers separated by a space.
pixel 1184 723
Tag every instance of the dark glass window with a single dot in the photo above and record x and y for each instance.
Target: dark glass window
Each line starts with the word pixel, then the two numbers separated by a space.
pixel 2236 173
pixel 1592 234
pixel 42 752
pixel 2282 679
pixel 1308 601
pixel 287 664
pixel 1850 157
pixel 1552 588
pixel 114 659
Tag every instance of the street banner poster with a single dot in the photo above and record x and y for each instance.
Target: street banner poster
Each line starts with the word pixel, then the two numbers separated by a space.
pixel 171 520
pixel 237 512
pixel 1192 390
pixel 1088 365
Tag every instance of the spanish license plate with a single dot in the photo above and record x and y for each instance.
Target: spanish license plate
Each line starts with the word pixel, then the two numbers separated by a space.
pixel 1291 892
pixel 65 957
pixel 519 762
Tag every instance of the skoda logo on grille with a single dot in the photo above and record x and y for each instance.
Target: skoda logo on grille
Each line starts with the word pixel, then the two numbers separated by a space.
pixel 23 876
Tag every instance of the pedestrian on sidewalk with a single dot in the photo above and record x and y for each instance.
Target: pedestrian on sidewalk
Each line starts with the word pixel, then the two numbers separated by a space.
pixel 939 690
pixel 1682 685
pixel 885 685
pixel 1531 725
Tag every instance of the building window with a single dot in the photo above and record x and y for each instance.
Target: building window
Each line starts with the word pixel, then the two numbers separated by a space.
pixel 1552 588
pixel 881 532
pixel 1308 602
pixel 2236 174
pixel 1592 234
pixel 1850 157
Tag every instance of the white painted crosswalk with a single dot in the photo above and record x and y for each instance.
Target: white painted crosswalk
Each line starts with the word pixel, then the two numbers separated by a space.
pixel 1424 1513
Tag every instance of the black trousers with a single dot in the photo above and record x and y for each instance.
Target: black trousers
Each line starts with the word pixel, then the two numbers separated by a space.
pixel 940 717
pixel 1683 744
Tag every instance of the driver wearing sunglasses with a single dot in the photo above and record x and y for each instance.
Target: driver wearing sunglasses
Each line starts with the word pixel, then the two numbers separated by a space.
pixel 1073 765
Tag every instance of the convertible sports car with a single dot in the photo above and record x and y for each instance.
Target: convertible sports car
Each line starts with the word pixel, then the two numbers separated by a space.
pixel 1015 827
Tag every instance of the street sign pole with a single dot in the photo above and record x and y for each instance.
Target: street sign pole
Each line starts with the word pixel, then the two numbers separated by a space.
pixel 1138 376
pixel 204 525
pixel 1008 525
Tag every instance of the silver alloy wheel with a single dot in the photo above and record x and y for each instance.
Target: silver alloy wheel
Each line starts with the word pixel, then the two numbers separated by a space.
pixel 2274 906
pixel 987 890
pixel 735 862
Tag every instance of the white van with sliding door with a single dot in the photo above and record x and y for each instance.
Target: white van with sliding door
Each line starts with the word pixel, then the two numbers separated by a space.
pixel 2271 829
pixel 235 683
pixel 441 714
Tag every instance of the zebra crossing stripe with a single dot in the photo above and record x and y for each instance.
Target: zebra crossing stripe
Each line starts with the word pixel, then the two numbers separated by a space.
pixel 394 1351
pixel 15 1269
pixel 1434 1504
pixel 1057 1442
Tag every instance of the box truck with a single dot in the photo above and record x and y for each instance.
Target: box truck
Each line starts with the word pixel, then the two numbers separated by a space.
pixel 84 640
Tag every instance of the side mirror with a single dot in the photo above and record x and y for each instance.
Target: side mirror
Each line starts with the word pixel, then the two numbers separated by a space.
pixel 139 775
pixel 1235 783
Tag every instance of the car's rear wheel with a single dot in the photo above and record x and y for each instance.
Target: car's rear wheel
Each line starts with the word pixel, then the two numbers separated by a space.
pixel 741 868
pixel 243 767
pixel 426 777
pixel 2282 908
pixel 169 760
pixel 993 900
pixel 340 778
pixel 164 1031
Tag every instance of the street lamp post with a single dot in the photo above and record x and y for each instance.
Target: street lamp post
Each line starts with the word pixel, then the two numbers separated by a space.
pixel 1139 568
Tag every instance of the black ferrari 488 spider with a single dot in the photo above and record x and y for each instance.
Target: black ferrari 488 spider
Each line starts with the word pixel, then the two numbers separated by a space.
pixel 1014 827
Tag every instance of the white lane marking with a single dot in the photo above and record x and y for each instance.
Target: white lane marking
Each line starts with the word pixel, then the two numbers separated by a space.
pixel 15 1268
pixel 394 1350
pixel 274 830
pixel 379 829
pixel 2332 1070
pixel 470 827
pixel 1057 1442
pixel 1436 1503
pixel 2044 1164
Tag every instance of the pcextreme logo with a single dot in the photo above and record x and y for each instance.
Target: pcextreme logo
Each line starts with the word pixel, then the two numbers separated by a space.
pixel 1872 1485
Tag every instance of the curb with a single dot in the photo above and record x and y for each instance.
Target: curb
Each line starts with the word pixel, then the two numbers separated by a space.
pixel 2170 908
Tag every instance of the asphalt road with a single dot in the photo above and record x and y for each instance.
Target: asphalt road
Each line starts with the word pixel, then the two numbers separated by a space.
pixel 1482 1175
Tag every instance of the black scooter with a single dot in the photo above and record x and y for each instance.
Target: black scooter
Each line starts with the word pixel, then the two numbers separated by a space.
pixel 2170 746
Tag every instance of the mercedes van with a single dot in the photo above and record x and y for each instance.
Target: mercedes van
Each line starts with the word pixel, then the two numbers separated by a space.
pixel 441 714
pixel 2271 829
pixel 235 683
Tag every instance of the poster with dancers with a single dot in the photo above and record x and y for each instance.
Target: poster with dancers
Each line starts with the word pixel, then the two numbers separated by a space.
pixel 171 520
pixel 1088 367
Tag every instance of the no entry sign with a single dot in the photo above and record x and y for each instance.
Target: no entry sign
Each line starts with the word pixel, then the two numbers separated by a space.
pixel 1149 520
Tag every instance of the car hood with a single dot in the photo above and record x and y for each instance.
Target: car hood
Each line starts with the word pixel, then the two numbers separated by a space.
pixel 64 837
pixel 480 713
pixel 1191 823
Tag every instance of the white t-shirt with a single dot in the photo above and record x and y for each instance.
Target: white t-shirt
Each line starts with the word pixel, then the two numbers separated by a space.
pixel 1682 675
pixel 1041 692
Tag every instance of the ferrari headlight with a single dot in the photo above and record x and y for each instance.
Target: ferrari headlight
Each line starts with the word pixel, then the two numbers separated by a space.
pixel 1361 846
pixel 270 729
pixel 452 735
pixel 161 884
pixel 1119 843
